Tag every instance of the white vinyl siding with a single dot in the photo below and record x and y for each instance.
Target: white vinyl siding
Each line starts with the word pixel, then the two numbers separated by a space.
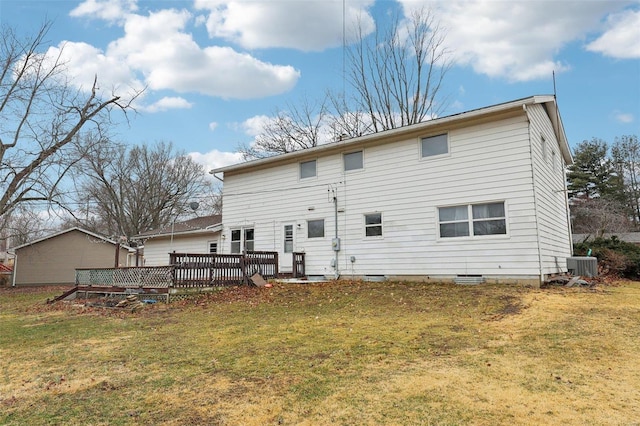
pixel 156 250
pixel 409 192
pixel 550 195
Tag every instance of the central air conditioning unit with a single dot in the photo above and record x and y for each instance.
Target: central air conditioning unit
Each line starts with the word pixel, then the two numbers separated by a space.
pixel 584 266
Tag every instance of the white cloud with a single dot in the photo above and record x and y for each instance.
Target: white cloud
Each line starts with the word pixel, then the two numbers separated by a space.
pixel 167 103
pixel 622 117
pixel 85 62
pixel 109 10
pixel 517 40
pixel 622 38
pixel 253 126
pixel 213 125
pixel 158 46
pixel 215 159
pixel 308 25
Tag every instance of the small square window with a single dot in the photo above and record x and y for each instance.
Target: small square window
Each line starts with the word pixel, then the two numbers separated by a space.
pixel 213 247
pixel 434 145
pixel 315 228
pixel 353 161
pixel 307 169
pixel 373 225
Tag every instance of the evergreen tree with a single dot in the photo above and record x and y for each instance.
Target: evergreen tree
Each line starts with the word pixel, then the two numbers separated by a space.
pixel 592 174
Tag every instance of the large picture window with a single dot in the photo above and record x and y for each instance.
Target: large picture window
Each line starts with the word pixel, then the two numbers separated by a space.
pixel 434 145
pixel 472 220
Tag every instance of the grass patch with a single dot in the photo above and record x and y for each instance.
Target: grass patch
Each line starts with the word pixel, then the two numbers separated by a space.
pixel 338 353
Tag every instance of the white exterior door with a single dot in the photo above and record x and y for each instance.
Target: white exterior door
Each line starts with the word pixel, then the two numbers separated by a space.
pixel 288 247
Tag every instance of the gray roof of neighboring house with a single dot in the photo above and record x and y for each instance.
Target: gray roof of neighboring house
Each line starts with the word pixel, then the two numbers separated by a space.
pixel 198 225
pixel 84 231
pixel 629 237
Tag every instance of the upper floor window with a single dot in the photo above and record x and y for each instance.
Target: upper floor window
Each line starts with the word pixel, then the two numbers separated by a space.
pixel 434 145
pixel 543 147
pixel 307 169
pixel 353 161
pixel 472 219
pixel 373 225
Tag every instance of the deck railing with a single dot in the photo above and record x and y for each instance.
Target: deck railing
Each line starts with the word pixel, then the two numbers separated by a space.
pixel 189 270
pixel 130 277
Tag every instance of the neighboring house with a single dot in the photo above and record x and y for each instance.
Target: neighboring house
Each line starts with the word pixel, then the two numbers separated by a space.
pixel 198 235
pixel 477 195
pixel 628 237
pixel 53 259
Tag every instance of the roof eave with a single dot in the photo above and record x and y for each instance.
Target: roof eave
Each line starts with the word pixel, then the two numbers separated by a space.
pixel 425 125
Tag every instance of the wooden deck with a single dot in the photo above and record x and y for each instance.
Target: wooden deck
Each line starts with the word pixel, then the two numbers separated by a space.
pixel 188 273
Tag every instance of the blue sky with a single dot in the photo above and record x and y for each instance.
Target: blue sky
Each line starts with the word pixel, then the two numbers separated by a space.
pixel 215 70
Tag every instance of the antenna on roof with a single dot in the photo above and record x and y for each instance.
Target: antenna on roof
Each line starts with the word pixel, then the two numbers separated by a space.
pixel 553 75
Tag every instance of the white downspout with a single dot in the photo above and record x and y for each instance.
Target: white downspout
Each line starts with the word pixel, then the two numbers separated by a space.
pixel 15 269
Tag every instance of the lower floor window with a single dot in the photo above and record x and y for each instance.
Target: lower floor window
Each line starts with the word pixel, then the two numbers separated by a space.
pixel 315 228
pixel 373 225
pixel 213 247
pixel 472 219
pixel 242 240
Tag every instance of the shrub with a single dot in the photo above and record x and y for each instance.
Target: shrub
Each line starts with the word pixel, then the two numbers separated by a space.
pixel 615 257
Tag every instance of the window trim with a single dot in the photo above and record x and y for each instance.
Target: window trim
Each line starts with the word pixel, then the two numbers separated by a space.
pixel 315 175
pixel 365 226
pixel 323 228
pixel 436 156
pixel 470 221
pixel 344 164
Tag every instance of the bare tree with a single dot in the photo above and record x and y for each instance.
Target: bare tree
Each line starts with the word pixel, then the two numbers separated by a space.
pixel 25 225
pixel 126 192
pixel 597 216
pixel 300 127
pixel 626 160
pixel 397 73
pixel 41 115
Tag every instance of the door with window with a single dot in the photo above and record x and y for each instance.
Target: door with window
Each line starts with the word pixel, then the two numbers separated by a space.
pixel 288 243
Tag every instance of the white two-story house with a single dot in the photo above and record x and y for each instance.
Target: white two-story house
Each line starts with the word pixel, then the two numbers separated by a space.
pixel 475 196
